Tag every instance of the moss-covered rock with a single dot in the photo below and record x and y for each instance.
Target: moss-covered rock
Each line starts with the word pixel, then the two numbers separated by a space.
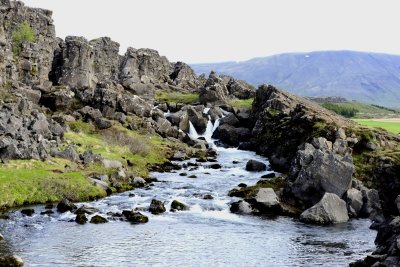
pixel 97 219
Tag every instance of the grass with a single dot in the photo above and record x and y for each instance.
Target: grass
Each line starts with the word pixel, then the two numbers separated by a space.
pixel 242 103
pixel 367 111
pixel 177 97
pixel 29 181
pixel 390 126
pixel 24 182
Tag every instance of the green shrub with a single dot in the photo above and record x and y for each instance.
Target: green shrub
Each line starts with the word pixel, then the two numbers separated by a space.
pixel 23 33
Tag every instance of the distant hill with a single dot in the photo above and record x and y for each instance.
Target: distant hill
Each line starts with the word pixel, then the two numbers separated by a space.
pixel 365 77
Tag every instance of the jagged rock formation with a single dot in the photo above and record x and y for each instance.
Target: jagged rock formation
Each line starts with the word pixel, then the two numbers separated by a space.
pixel 29 63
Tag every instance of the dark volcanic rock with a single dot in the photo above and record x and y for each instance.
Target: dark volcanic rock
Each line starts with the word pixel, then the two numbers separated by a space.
pixel 81 218
pixel 176 205
pixel 157 207
pixel 255 166
pixel 135 217
pixel 65 205
pixel 97 219
pixel 28 212
pixel 318 169
pixel 214 91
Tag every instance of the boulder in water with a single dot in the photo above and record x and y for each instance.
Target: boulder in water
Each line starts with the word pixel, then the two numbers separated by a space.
pixel 241 207
pixel 65 205
pixel 354 202
pixel 330 209
pixel 265 200
pixel 255 166
pixel 28 212
pixel 81 218
pixel 176 205
pixel 97 219
pixel 11 261
pixel 135 217
pixel 157 207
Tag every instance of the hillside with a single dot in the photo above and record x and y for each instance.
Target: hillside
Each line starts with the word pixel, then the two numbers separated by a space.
pixel 365 77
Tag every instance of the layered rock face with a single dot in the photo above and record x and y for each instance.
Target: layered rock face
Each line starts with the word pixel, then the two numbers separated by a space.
pixel 29 63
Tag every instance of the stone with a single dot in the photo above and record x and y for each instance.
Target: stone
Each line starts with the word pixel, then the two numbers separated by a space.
pixel 28 211
pixel 255 166
pixel 138 182
pixel 81 218
pixel 157 207
pixel 371 208
pixel 102 123
pixel 11 261
pixel 231 135
pixel 88 157
pixel 101 184
pixel 69 153
pixel 241 207
pixel 176 205
pixel 135 217
pixel 354 201
pixel 65 205
pixel 229 119
pixel 1 237
pixel 97 219
pixel 240 89
pixel 265 200
pixel 316 171
pixel 329 210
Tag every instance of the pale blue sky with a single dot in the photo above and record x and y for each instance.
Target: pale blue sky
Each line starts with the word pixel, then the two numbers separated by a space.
pixel 196 31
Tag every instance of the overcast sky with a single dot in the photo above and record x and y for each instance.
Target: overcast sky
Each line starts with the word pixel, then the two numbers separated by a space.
pixel 197 31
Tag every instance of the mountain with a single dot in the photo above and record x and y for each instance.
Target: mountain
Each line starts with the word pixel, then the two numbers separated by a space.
pixel 366 77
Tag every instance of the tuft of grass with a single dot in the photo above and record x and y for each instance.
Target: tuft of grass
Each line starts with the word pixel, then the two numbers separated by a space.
pixel 25 182
pixel 177 97
pixel 390 126
pixel 242 103
pixel 23 33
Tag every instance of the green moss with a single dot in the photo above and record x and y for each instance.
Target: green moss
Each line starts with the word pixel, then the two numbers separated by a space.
pixel 80 126
pixel 29 181
pixel 242 103
pixel 177 97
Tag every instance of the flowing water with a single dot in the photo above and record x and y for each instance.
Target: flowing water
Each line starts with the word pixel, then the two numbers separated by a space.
pixel 206 235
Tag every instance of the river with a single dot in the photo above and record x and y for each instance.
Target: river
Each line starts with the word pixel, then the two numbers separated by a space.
pixel 206 235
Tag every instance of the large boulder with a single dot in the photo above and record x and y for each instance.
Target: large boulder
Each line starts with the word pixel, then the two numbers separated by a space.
pixel 265 200
pixel 329 210
pixel 318 169
pixel 214 91
pixel 176 205
pixel 255 166
pixel 231 136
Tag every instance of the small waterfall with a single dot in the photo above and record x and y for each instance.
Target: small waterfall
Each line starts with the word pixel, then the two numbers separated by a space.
pixel 206 110
pixel 167 114
pixel 192 131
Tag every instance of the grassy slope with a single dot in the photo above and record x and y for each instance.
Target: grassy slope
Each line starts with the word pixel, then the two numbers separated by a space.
pixel 176 97
pixel 25 182
pixel 390 126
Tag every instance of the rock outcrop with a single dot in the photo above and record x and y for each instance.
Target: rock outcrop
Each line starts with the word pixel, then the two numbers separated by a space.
pixel 320 168
pixel 26 62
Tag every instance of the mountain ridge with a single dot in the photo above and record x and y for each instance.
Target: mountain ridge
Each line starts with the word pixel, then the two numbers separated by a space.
pixel 363 76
